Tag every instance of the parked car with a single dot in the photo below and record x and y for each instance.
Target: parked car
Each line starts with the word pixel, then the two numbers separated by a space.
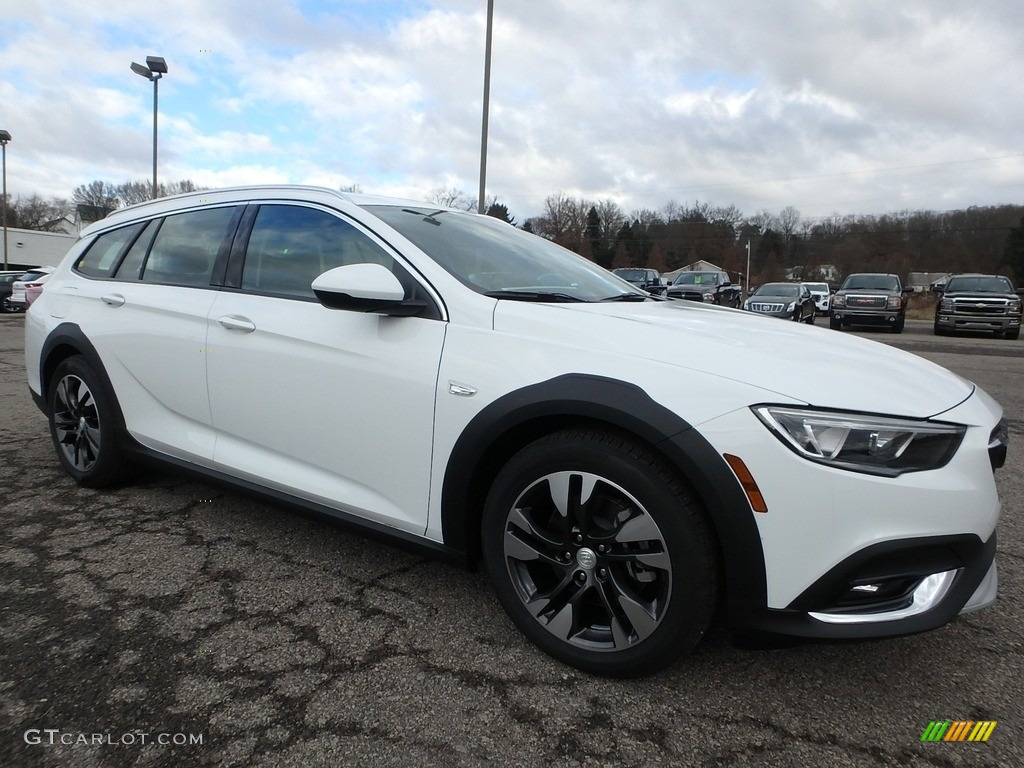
pixel 706 286
pixel 979 303
pixel 870 299
pixel 33 289
pixel 821 293
pixel 790 301
pixel 16 301
pixel 624 467
pixel 6 284
pixel 645 279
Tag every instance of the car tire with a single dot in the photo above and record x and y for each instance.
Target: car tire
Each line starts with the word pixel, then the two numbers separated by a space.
pixel 897 327
pixel 834 324
pixel 940 331
pixel 83 418
pixel 600 553
pixel 810 319
pixel 1012 335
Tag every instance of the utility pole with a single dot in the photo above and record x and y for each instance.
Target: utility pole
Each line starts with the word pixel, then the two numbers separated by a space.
pixel 487 102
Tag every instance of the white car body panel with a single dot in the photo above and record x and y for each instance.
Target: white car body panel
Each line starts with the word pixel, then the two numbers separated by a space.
pixel 347 406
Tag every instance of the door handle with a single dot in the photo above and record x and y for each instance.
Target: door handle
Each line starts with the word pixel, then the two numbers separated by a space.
pixel 113 299
pixel 237 323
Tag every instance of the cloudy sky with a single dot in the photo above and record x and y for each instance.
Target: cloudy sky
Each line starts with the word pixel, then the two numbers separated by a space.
pixel 830 106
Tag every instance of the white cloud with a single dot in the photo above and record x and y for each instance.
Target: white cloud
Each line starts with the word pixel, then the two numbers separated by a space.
pixel 825 105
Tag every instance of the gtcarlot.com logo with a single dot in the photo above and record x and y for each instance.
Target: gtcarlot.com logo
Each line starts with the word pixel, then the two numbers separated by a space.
pixel 49 737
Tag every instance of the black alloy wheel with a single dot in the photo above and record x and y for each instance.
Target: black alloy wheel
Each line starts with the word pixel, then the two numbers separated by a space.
pixel 82 418
pixel 600 554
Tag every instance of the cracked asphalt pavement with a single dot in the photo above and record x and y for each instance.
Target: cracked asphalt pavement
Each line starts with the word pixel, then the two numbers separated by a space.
pixel 236 633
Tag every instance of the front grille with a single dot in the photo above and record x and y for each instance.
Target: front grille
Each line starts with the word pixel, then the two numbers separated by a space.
pixel 979 306
pixel 766 307
pixel 688 295
pixel 857 301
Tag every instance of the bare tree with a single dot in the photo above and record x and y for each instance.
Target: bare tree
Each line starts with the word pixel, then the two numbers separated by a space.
pixel 451 197
pixel 789 218
pixel 100 194
pixel 36 213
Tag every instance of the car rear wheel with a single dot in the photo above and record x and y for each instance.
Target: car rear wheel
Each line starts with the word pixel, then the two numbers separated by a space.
pixel 600 554
pixel 82 417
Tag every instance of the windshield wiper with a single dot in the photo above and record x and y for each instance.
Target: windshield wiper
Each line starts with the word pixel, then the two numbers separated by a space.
pixel 515 295
pixel 626 297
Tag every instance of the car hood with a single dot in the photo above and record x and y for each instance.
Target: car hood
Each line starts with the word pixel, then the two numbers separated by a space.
pixel 978 295
pixel 814 365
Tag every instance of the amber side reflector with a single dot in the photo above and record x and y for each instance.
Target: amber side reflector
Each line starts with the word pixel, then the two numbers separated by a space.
pixel 757 502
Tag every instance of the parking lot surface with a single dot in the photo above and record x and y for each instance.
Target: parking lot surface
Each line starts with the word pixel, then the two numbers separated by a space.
pixel 176 623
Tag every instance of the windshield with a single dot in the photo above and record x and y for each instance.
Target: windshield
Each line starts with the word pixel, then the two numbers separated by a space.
pixel 496 259
pixel 979 284
pixel 871 282
pixel 632 275
pixel 777 289
pixel 697 278
pixel 817 287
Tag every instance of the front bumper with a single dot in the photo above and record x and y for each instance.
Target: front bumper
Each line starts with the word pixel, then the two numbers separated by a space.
pixel 920 584
pixel 960 322
pixel 865 317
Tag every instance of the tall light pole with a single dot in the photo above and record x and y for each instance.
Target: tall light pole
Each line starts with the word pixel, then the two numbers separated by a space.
pixel 5 136
pixel 155 68
pixel 747 287
pixel 487 104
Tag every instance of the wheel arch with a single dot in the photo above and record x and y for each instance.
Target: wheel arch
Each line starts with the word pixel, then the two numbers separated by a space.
pixel 68 340
pixel 517 419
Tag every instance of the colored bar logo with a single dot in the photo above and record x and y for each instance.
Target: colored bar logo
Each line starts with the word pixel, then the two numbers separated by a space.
pixel 958 730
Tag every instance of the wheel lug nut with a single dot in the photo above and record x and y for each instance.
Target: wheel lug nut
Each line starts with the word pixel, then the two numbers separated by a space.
pixel 581 576
pixel 567 555
pixel 602 548
pixel 602 573
pixel 578 538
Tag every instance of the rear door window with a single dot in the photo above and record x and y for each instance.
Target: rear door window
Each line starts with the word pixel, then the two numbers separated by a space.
pixel 101 256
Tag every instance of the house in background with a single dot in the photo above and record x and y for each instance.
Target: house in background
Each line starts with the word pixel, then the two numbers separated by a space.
pixel 926 281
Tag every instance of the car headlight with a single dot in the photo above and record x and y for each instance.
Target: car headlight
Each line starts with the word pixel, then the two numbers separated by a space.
pixel 946 305
pixel 894 302
pixel 838 301
pixel 1014 306
pixel 791 306
pixel 709 297
pixel 863 442
pixel 746 304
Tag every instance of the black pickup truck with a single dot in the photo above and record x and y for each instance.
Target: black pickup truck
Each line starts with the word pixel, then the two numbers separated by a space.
pixel 979 303
pixel 706 286
pixel 870 299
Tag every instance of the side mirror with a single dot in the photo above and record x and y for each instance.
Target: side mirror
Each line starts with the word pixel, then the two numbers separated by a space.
pixel 364 288
pixel 908 289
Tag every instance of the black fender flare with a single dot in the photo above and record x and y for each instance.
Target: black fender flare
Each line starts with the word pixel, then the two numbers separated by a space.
pixel 512 421
pixel 64 341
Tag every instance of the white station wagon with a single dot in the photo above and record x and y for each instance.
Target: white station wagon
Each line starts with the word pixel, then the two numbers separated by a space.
pixel 621 464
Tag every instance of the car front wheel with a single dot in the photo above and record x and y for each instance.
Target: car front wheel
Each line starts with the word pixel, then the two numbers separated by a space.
pixel 82 417
pixel 600 554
